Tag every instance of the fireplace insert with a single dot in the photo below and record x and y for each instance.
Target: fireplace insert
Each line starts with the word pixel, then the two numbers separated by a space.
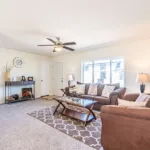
pixel 27 93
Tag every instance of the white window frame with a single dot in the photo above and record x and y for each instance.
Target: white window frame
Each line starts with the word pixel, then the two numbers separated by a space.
pixel 82 68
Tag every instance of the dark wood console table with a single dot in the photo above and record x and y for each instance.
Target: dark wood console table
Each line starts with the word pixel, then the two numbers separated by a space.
pixel 10 84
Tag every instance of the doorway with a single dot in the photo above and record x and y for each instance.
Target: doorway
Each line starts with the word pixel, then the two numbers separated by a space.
pixel 58 78
pixel 45 75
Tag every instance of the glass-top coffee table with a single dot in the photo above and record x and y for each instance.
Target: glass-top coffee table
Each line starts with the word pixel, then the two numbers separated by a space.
pixel 85 117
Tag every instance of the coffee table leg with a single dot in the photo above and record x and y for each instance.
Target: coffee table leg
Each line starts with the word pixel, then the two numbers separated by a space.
pixel 56 108
pixel 90 111
pixel 87 118
pixel 63 109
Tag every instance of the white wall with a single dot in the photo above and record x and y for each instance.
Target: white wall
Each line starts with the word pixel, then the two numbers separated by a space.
pixel 136 55
pixel 31 68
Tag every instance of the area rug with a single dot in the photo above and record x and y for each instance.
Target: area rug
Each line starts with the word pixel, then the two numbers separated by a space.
pixel 90 135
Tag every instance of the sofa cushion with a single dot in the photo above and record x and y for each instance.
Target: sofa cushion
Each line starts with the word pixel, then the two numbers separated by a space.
pixel 131 96
pixel 143 97
pixel 80 88
pixel 87 88
pixel 117 85
pixel 107 90
pixel 100 88
pixel 131 104
pixel 92 89
pixel 86 97
pixel 102 100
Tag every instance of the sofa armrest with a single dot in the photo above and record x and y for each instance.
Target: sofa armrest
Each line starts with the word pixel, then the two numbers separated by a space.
pixel 114 99
pixel 125 128
pixel 119 93
pixel 67 91
pixel 131 96
pixel 133 112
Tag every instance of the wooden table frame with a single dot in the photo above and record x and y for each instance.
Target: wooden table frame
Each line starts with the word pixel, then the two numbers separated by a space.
pixel 84 117
pixel 64 92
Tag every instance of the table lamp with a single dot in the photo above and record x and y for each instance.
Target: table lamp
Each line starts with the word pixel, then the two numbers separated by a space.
pixel 142 78
pixel 70 78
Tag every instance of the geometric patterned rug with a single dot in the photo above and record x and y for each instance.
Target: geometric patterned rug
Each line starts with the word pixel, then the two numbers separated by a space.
pixel 89 135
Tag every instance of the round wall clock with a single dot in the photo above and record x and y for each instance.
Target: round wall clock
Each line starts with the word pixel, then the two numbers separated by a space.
pixel 18 62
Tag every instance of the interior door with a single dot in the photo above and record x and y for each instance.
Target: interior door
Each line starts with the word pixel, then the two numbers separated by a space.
pixel 45 70
pixel 58 78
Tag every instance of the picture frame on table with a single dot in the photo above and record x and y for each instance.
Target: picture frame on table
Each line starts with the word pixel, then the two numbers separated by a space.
pixel 30 78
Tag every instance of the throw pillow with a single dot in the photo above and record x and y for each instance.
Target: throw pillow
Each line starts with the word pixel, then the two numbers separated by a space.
pixel 117 85
pixel 72 90
pixel 122 102
pixel 107 90
pixel 80 88
pixel 143 97
pixel 92 89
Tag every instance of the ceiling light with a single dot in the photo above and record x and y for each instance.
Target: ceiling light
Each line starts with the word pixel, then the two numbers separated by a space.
pixel 58 48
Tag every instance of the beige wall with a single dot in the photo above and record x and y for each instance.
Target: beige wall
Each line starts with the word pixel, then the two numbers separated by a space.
pixel 31 67
pixel 136 55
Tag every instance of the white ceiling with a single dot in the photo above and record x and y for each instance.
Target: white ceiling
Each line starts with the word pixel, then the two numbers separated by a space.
pixel 26 23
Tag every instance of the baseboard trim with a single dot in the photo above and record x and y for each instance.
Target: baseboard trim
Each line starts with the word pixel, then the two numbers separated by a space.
pixel 44 96
pixel 37 97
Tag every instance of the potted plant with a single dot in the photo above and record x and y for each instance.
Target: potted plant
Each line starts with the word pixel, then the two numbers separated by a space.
pixel 8 68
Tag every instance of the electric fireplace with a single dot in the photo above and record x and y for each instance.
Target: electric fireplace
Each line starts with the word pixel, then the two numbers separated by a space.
pixel 26 92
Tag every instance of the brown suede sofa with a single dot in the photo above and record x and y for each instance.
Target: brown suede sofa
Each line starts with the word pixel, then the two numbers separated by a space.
pixel 112 100
pixel 125 128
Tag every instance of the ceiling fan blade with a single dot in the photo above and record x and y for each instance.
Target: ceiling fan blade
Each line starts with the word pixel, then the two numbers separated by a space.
pixel 68 48
pixel 51 40
pixel 45 45
pixel 69 43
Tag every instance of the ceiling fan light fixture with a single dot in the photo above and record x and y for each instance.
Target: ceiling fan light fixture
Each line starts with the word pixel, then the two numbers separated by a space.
pixel 58 45
pixel 54 50
pixel 58 48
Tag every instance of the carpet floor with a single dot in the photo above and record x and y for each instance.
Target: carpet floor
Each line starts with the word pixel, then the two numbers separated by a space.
pixel 89 135
pixel 19 131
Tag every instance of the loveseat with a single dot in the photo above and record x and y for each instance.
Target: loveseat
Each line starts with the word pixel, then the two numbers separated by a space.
pixel 125 128
pixel 112 100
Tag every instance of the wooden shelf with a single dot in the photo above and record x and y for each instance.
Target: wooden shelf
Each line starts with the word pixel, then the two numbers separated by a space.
pixel 77 115
pixel 18 100
pixel 18 83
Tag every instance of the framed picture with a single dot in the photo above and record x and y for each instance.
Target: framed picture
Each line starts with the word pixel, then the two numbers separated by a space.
pixel 30 78
pixel 23 78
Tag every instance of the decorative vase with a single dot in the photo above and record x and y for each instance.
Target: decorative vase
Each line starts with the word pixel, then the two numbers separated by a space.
pixel 7 76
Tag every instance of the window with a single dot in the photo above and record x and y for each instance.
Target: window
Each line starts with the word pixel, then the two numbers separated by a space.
pixel 101 71
pixel 105 71
pixel 117 71
pixel 87 72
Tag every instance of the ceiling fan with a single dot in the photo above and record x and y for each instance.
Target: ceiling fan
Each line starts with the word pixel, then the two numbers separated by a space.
pixel 58 45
